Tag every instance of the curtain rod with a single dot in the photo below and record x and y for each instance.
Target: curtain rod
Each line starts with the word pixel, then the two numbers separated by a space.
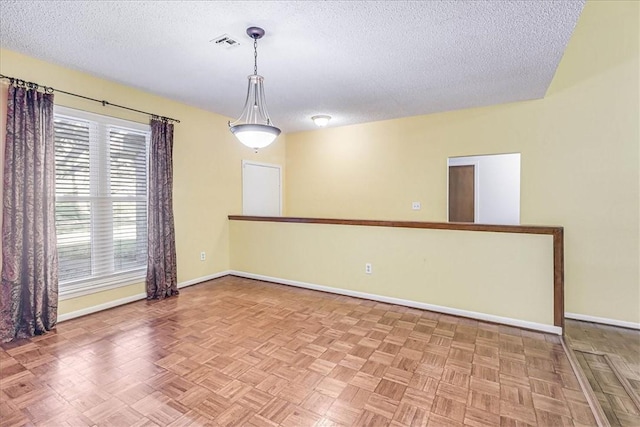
pixel 104 103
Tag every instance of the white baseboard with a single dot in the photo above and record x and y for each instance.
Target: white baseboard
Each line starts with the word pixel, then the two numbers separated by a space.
pixel 132 298
pixel 203 279
pixel 100 307
pixel 603 320
pixel 407 303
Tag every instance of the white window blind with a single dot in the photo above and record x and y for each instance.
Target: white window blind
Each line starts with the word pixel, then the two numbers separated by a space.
pixel 101 200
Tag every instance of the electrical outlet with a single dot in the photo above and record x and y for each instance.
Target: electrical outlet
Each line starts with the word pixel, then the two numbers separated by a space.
pixel 203 256
pixel 416 206
pixel 367 268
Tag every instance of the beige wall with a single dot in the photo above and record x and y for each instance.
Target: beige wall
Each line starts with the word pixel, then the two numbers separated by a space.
pixel 445 268
pixel 580 162
pixel 207 166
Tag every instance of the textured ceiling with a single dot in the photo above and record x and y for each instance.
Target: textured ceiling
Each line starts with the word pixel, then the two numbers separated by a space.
pixel 357 61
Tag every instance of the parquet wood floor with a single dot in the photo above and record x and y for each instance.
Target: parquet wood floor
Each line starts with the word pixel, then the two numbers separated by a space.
pixel 242 352
pixel 610 356
pixel 615 401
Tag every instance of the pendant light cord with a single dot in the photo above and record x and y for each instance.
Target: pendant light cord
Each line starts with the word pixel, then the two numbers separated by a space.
pixel 255 56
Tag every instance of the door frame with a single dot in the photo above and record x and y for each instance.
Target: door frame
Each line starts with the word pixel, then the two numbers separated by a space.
pixel 476 184
pixel 265 165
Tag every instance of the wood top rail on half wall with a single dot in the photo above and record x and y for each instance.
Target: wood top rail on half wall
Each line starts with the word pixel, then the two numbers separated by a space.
pixel 556 232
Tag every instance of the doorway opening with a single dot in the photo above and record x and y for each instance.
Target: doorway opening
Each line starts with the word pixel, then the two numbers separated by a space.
pixel 484 189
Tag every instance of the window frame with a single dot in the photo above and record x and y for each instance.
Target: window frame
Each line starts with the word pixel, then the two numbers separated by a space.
pixel 101 123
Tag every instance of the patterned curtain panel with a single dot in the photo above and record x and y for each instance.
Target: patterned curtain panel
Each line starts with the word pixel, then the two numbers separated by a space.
pixel 29 294
pixel 162 279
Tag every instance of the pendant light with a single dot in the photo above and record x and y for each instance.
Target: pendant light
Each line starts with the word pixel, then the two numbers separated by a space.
pixel 254 128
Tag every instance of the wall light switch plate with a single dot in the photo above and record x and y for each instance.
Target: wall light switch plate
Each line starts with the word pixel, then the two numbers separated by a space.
pixel 416 206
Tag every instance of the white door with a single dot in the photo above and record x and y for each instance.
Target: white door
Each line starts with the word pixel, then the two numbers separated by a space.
pixel 261 189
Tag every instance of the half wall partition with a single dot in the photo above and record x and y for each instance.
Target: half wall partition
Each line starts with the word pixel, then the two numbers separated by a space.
pixel 505 274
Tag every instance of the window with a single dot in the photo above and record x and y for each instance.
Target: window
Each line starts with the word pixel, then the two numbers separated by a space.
pixel 101 201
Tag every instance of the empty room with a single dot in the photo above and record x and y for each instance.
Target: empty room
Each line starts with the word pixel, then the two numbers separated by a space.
pixel 320 213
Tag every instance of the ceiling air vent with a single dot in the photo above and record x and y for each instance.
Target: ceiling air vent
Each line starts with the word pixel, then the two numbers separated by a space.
pixel 226 40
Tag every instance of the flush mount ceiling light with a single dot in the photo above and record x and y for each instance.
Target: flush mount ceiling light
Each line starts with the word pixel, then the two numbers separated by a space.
pixel 321 120
pixel 254 128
